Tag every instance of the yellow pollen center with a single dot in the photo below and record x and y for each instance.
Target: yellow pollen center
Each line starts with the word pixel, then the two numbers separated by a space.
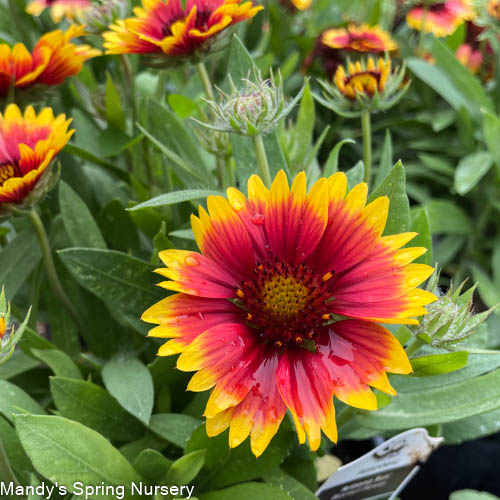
pixel 6 172
pixel 284 296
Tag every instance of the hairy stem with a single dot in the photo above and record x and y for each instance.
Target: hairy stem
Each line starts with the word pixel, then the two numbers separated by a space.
pixel 367 145
pixel 260 153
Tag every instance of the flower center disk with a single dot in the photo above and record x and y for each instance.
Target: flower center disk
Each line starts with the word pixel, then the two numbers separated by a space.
pixel 285 303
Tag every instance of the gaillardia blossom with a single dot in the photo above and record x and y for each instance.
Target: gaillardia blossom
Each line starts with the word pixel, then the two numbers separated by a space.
pixel 163 28
pixel 441 18
pixel 59 9
pixel 470 57
pixel 362 38
pixel 28 145
pixel 53 59
pixel 494 9
pixel 280 308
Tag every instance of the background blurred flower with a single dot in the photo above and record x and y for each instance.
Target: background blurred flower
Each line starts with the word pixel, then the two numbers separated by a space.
pixel 70 9
pixel 494 9
pixel 9 336
pixel 53 59
pixel 362 38
pixel 469 57
pixel 279 309
pixel 441 18
pixel 28 146
pixel 165 28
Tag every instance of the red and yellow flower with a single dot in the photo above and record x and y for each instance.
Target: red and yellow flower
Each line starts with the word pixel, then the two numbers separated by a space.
pixel 494 9
pixel 362 80
pixel 3 327
pixel 28 145
pixel 302 4
pixel 280 308
pixel 441 18
pixel 470 57
pixel 362 38
pixel 53 59
pixel 59 9
pixel 165 28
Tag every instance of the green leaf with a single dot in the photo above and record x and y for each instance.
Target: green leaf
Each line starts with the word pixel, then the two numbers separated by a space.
pixel 181 105
pixel 421 225
pixel 489 292
pixel 19 257
pixel 491 133
pixel 114 110
pixel 14 400
pixel 332 163
pixel 90 404
pixel 461 77
pixel 18 459
pixel 472 428
pixel 386 162
pixel 117 227
pixel 241 465
pixel 472 495
pixel 470 170
pixel 355 174
pixel 68 452
pixel 152 465
pixel 175 428
pixel 130 382
pixel 436 364
pixel 113 141
pixel 59 362
pixel 438 405
pixel 394 187
pixel 446 217
pixel 18 363
pixel 248 491
pixel 116 278
pixel 296 490
pixel 78 221
pixel 176 197
pixel 186 468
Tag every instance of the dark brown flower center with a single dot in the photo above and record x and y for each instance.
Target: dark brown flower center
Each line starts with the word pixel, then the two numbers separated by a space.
pixel 285 304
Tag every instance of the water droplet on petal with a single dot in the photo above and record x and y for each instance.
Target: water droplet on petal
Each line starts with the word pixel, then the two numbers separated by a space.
pixel 257 219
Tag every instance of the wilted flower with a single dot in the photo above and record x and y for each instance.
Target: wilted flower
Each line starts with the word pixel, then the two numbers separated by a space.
pixel 441 18
pixel 54 59
pixel 8 339
pixel 69 9
pixel 101 13
pixel 494 9
pixel 368 85
pixel 280 308
pixel 362 38
pixel 165 30
pixel 28 146
pixel 450 319
pixel 255 108
pixel 468 56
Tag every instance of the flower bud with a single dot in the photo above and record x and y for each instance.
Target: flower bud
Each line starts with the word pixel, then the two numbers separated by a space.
pixel 366 85
pixel 101 13
pixel 9 336
pixel 252 109
pixel 450 319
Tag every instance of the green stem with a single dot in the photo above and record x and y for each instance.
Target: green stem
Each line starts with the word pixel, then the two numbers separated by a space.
pixel 160 86
pixel 414 346
pixel 421 36
pixel 367 145
pixel 129 78
pixel 6 473
pixel 260 153
pixel 50 267
pixel 220 170
pixel 205 80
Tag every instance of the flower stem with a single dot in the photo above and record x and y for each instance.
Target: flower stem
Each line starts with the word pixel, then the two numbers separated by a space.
pixel 414 346
pixel 367 145
pixel 205 80
pixel 50 267
pixel 160 86
pixel 129 78
pixel 260 153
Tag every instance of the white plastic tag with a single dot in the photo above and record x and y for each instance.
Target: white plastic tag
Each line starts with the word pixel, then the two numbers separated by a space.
pixel 382 472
